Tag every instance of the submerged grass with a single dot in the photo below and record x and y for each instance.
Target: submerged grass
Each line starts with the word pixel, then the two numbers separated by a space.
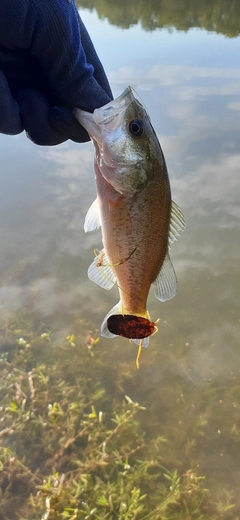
pixel 73 445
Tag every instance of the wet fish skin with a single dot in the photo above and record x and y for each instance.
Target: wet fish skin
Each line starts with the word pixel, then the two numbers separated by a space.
pixel 135 211
pixel 135 237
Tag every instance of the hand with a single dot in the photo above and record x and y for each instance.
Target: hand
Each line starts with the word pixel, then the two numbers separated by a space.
pixel 48 66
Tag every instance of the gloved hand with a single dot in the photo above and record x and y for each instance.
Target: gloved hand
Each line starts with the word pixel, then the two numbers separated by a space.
pixel 48 66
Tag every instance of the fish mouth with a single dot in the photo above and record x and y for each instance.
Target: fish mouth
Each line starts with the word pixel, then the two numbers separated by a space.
pixel 130 326
pixel 103 115
pixel 108 112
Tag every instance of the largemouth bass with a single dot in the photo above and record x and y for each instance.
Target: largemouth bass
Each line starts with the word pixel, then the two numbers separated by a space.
pixel 134 208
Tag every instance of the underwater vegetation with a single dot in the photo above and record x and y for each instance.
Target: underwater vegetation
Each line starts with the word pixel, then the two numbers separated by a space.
pixel 75 445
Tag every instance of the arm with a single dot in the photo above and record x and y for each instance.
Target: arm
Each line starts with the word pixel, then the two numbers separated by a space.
pixel 48 66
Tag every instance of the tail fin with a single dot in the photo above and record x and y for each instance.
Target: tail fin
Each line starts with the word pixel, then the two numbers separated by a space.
pixel 135 327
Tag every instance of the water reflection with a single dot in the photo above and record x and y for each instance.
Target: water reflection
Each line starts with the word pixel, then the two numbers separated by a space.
pixel 220 16
pixel 195 111
pixel 190 86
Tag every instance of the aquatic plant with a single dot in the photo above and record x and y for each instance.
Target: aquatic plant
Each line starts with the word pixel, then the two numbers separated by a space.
pixel 70 448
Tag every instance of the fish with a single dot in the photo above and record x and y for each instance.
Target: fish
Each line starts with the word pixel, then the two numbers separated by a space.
pixel 134 208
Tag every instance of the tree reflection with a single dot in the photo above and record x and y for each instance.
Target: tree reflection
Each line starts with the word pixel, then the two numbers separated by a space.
pixel 221 16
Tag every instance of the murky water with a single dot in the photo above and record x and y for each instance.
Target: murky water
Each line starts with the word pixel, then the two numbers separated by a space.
pixel 189 82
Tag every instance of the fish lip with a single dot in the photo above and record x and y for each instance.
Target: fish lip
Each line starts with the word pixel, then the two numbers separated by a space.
pixel 108 112
pixel 103 115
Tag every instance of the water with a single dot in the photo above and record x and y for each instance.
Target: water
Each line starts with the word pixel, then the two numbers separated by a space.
pixel 189 82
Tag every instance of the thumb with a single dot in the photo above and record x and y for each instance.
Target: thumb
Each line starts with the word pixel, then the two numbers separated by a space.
pixel 35 110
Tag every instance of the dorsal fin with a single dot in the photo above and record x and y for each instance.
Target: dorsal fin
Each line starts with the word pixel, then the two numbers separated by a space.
pixel 165 285
pixel 177 223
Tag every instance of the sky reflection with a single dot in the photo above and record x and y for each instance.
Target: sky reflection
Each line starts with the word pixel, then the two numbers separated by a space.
pixel 189 83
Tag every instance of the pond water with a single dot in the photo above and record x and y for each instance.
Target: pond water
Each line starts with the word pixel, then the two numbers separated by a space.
pixel 188 77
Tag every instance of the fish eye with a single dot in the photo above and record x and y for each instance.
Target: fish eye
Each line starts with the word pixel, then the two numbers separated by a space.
pixel 136 127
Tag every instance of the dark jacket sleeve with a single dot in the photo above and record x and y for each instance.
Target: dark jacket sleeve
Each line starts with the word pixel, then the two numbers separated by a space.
pixel 48 65
pixel 49 38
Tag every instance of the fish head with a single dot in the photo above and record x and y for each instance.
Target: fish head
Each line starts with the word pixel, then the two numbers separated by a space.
pixel 124 141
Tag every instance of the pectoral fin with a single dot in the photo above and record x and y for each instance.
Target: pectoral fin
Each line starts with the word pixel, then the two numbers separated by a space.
pixel 92 219
pixel 100 272
pixel 165 285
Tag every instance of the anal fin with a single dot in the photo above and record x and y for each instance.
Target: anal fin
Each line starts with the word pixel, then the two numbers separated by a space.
pixel 101 273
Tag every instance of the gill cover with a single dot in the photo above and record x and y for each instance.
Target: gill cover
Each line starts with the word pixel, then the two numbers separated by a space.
pixel 119 132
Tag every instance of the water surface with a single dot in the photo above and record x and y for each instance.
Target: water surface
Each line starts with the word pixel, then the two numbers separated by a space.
pixel 188 76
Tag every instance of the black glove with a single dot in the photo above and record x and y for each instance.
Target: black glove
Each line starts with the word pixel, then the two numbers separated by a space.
pixel 48 66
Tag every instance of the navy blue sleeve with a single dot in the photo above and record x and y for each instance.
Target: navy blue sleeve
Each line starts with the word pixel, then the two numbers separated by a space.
pixel 48 65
